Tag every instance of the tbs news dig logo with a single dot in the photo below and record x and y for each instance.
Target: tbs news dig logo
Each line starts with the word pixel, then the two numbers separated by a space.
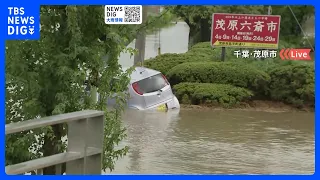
pixel 19 23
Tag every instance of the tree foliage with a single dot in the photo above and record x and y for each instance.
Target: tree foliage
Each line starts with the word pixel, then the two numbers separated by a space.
pixel 161 20
pixel 199 18
pixel 46 77
pixel 289 26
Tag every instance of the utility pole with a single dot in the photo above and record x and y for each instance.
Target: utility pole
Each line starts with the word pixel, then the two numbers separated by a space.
pixel 159 48
pixel 269 13
pixel 223 53
pixel 269 10
pixel 141 39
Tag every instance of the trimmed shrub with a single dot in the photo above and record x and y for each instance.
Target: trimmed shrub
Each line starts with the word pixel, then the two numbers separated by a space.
pixel 214 53
pixel 165 62
pixel 201 52
pixel 293 84
pixel 236 74
pixel 268 65
pixel 202 45
pixel 211 94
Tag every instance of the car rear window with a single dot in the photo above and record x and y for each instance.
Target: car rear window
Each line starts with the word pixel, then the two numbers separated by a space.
pixel 152 84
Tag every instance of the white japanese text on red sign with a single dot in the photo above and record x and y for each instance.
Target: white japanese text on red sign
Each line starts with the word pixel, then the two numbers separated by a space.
pixel 256 26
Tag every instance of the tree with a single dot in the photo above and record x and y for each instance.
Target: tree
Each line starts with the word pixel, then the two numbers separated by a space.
pixel 290 29
pixel 199 18
pixel 46 77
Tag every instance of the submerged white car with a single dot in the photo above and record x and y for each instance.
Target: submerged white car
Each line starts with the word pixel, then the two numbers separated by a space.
pixel 149 90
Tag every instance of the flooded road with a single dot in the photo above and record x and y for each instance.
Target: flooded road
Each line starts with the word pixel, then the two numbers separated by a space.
pixel 218 142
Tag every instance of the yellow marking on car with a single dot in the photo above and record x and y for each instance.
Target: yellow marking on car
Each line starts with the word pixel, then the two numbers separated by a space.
pixel 162 107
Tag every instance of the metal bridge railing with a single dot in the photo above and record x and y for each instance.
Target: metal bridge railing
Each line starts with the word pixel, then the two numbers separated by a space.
pixel 85 143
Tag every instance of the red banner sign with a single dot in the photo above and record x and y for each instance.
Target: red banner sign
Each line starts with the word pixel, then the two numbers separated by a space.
pixel 245 30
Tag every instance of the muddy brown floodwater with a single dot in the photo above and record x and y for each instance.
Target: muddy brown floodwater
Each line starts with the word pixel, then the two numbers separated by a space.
pixel 218 142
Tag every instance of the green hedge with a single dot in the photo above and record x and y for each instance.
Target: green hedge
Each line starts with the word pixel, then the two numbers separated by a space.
pixel 165 62
pixel 273 79
pixel 282 44
pixel 215 53
pixel 202 45
pixel 205 48
pixel 293 84
pixel 211 94
pixel 203 52
pixel 268 65
pixel 236 74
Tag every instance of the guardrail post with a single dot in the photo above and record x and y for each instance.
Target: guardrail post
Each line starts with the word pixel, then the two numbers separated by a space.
pixel 95 138
pixel 85 144
pixel 83 136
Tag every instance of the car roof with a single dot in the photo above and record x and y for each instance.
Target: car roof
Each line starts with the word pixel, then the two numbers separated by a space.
pixel 140 73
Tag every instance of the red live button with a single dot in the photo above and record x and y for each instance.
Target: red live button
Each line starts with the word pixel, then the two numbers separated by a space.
pixel 295 54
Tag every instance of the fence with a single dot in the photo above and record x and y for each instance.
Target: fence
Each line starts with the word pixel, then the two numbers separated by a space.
pixel 85 143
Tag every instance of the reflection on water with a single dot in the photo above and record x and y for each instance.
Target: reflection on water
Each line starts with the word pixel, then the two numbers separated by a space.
pixel 218 142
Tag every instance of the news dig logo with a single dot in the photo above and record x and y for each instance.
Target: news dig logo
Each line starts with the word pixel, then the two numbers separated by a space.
pixel 19 23
pixel 123 14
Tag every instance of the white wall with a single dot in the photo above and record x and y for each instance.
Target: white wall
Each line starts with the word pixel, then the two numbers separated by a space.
pixel 173 39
